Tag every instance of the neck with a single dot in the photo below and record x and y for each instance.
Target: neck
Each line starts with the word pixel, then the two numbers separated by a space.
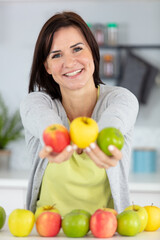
pixel 79 102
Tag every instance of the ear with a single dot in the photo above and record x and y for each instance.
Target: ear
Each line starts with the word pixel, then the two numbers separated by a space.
pixel 47 67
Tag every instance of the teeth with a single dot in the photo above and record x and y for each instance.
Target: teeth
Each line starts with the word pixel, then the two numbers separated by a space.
pixel 73 73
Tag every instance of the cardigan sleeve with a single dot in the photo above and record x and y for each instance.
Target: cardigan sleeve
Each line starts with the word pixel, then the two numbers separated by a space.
pixel 120 109
pixel 38 111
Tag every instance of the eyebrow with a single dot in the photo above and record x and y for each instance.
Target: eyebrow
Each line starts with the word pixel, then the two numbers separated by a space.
pixel 57 51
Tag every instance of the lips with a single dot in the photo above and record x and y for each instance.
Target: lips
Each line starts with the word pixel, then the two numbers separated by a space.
pixel 71 74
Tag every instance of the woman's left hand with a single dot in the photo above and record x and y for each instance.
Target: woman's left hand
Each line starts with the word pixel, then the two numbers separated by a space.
pixel 101 159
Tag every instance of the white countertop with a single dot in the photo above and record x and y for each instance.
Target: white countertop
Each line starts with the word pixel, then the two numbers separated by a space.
pixel 137 182
pixel 6 235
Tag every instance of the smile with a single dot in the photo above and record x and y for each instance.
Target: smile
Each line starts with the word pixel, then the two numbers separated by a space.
pixel 71 74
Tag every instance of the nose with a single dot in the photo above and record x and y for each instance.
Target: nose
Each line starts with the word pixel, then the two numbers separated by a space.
pixel 69 61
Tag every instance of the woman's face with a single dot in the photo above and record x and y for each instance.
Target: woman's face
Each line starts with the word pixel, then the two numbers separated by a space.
pixel 70 60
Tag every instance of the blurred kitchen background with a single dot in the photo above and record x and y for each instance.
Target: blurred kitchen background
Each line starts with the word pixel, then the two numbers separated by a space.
pixel 130 59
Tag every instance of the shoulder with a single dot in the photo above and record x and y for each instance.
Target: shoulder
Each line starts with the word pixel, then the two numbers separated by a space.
pixel 116 93
pixel 38 99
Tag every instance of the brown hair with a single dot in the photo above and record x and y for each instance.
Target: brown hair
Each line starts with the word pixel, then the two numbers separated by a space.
pixel 39 78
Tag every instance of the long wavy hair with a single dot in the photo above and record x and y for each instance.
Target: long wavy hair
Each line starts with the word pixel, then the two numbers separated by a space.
pixel 40 80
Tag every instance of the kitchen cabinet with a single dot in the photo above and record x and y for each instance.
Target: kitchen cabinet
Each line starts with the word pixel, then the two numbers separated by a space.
pixel 118 55
pixel 144 189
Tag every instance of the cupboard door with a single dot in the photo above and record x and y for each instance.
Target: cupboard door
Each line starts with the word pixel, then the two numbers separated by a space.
pixel 11 199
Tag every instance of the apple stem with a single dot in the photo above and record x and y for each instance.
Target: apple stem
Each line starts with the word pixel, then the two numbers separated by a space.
pixel 133 205
pixel 152 204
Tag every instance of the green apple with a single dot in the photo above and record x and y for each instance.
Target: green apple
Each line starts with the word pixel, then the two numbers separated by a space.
pixel 142 214
pixel 2 217
pixel 110 136
pixel 46 208
pixel 82 211
pixel 21 222
pixel 128 223
pixel 75 224
pixel 83 131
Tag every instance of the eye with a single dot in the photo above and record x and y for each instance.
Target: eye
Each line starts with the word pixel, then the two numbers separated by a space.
pixel 77 49
pixel 57 55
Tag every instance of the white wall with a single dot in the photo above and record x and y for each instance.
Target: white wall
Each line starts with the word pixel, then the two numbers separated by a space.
pixel 20 23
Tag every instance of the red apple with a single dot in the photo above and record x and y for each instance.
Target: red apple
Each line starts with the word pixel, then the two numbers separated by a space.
pixel 48 224
pixel 103 224
pixel 57 137
pixel 108 210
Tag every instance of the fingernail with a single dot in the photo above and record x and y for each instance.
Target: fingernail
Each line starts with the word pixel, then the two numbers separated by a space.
pixel 69 148
pixel 111 148
pixel 74 147
pixel 92 145
pixel 48 149
pixel 87 149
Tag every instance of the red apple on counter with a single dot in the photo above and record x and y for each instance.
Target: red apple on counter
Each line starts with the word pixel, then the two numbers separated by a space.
pixel 46 208
pixel 57 137
pixel 103 224
pixel 48 224
pixel 108 210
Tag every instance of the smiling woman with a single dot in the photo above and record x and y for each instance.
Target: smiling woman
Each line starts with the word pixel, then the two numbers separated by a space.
pixel 70 60
pixel 65 84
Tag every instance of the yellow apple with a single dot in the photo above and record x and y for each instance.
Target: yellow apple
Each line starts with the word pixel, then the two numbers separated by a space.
pixel 153 218
pixel 143 215
pixel 83 131
pixel 46 208
pixel 21 222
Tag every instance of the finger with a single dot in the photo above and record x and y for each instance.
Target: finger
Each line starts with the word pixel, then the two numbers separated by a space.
pixel 116 153
pixel 64 155
pixel 93 156
pixel 46 151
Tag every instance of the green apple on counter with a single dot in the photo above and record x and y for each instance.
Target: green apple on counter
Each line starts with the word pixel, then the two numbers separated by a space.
pixel 75 224
pixel 2 217
pixel 21 222
pixel 110 136
pixel 128 223
pixel 142 214
pixel 46 208
pixel 83 131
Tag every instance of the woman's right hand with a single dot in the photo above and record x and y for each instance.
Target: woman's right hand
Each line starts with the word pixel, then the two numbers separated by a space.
pixel 47 152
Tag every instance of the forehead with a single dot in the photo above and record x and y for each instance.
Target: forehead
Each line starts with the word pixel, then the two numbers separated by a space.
pixel 68 35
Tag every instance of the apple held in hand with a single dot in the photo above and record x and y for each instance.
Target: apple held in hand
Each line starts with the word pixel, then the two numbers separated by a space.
pixel 48 224
pixel 153 218
pixel 75 224
pixel 57 137
pixel 128 223
pixel 142 214
pixel 83 131
pixel 46 208
pixel 110 136
pixel 103 224
pixel 21 222
pixel 2 217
